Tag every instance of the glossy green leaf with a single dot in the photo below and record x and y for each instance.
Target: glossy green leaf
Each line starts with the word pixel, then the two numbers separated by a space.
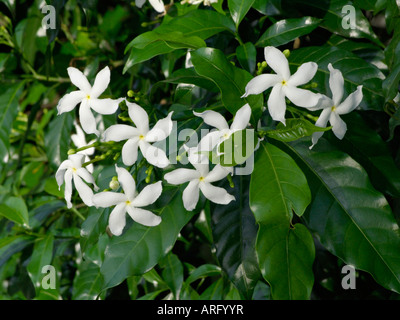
pixel 351 219
pixel 238 9
pixel 294 129
pixel 88 282
pixel 15 209
pixel 58 137
pixel 287 30
pixel 247 56
pixel 140 248
pixel 12 245
pixel 234 233
pixel 365 74
pixel 42 255
pixel 391 83
pixel 213 65
pixel 93 227
pixel 173 273
pixel 205 270
pixel 9 95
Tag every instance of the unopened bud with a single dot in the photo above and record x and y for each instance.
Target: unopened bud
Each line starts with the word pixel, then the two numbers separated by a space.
pixel 114 185
pixel 71 151
pixel 286 53
pixel 264 64
pixel 314 85
pixel 130 93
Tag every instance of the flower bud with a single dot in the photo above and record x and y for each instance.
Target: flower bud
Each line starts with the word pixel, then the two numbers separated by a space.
pixel 114 184
pixel 71 151
pixel 286 53
pixel 130 93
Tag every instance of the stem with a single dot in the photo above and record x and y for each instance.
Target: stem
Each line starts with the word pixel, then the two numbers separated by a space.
pixel 93 145
pixel 77 213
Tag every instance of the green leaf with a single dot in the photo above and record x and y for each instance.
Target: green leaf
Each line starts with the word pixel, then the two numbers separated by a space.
pixel 15 209
pixel 234 233
pixel 57 138
pixel 277 188
pixel 214 292
pixel 351 219
pixel 239 9
pixel 9 95
pixel 391 83
pixel 93 227
pixel 12 245
pixel 212 64
pixel 365 74
pixel 42 255
pixel 284 31
pixel 140 248
pixel 247 56
pixel 205 270
pixel 173 273
pixel 88 282
pixel 286 255
pixel 294 129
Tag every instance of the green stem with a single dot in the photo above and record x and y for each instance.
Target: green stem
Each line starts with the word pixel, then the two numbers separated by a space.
pixel 78 213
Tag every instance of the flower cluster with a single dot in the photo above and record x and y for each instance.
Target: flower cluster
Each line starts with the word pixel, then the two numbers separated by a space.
pixel 284 85
pixel 140 137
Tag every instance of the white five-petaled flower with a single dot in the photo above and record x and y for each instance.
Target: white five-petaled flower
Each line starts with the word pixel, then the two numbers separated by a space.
pixel 129 202
pixel 284 84
pixel 71 169
pixel 333 108
pixel 158 5
pixel 224 131
pixel 88 96
pixel 195 2
pixel 200 178
pixel 79 141
pixel 141 137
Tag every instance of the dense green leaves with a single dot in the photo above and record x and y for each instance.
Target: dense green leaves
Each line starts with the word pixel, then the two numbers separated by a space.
pixel 15 209
pixel 238 9
pixel 350 217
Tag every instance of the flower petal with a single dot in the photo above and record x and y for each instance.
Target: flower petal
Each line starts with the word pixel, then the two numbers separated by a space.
pixel 336 84
pixel 158 5
pixel 108 199
pixel 76 160
pixel 277 61
pixel 339 127
pixel 213 119
pixel 120 132
pixel 86 118
pixel 68 188
pixel 161 130
pixel 85 192
pixel 217 173
pixel 301 97
pixel 199 160
pixel 144 217
pixel 303 74
pixel 61 171
pixel 242 118
pixel 104 106
pixel 351 102
pixel 153 155
pixel 130 151
pixel 69 101
pixel 190 195
pixel 85 175
pixel 127 182
pixel 261 83
pixel 209 141
pixel 117 220
pixel 148 195
pixel 321 122
pixel 139 3
pixel 101 82
pixel 139 117
pixel 79 80
pixel 277 104
pixel 215 194
pixel 181 175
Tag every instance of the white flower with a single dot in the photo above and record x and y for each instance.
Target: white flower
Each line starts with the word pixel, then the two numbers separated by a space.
pixel 224 131
pixel 284 84
pixel 87 96
pixel 79 140
pixel 141 137
pixel 333 108
pixel 200 178
pixel 158 5
pixel 129 202
pixel 71 169
pixel 195 2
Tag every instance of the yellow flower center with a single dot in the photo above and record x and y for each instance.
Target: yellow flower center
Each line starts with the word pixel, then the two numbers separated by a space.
pixel 141 137
pixel 283 83
pixel 74 169
pixel 201 178
pixel 333 108
pixel 127 202
pixel 88 96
